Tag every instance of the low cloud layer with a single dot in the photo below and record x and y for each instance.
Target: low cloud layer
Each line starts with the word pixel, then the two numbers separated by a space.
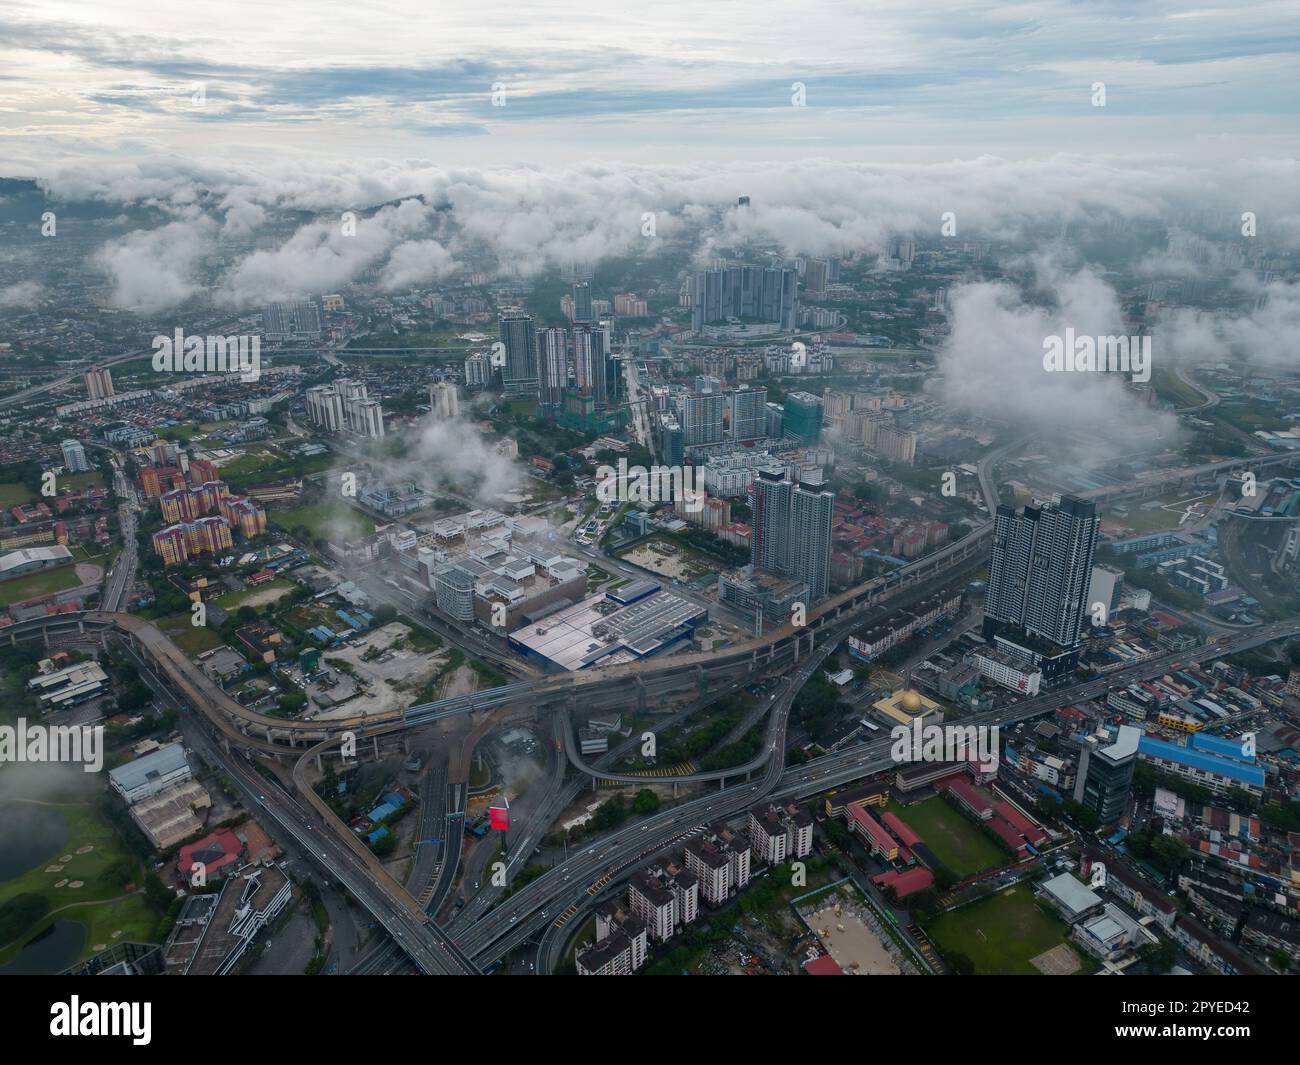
pixel 418 223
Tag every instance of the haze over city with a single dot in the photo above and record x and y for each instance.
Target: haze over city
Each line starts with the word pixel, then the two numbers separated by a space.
pixel 728 489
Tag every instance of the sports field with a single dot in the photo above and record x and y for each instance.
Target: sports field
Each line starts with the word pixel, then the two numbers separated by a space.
pixel 1001 934
pixel 42 582
pixel 955 839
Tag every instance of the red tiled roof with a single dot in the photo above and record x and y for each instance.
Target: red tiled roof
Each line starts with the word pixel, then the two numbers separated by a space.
pixel 907 883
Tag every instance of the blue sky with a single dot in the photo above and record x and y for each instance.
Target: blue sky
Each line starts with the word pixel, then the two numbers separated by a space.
pixel 654 83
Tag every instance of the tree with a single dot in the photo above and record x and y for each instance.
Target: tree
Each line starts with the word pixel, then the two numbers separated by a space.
pixel 646 802
pixel 1161 956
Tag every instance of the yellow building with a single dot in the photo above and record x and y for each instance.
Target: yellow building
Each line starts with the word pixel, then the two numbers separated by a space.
pixel 907 704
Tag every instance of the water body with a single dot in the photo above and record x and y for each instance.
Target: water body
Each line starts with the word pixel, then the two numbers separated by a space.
pixel 53 949
pixel 30 835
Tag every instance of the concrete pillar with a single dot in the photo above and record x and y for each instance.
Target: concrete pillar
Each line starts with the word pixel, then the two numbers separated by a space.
pixel 319 768
pixel 375 740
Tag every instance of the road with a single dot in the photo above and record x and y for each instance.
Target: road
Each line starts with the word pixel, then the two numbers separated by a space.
pixel 565 885
pixel 117 586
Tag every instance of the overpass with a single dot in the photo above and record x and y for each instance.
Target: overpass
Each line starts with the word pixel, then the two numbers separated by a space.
pixel 644 682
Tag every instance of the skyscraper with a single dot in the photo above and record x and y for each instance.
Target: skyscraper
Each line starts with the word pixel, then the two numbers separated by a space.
pixel 99 383
pixel 791 530
pixel 701 417
pixel 1040 568
pixel 582 308
pixel 520 374
pixel 590 356
pixel 553 361
pixel 748 413
pixel 444 400
pixel 816 275
pixel 768 294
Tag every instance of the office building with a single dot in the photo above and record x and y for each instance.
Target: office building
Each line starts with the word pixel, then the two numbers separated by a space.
pixel 99 383
pixel 74 457
pixel 1106 772
pixel 520 373
pixel 802 417
pixel 671 440
pixel 583 312
pixel 453 588
pixel 1039 572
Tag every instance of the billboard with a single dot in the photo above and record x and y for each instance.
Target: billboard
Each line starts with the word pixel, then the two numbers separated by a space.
pixel 499 814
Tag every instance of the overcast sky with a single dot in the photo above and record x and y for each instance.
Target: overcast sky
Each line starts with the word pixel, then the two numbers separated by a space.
pixel 655 83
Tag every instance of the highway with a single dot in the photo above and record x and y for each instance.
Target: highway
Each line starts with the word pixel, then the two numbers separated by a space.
pixel 846 767
pixel 117 585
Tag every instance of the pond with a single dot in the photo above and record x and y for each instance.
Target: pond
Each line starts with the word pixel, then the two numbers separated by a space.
pixel 29 835
pixel 53 949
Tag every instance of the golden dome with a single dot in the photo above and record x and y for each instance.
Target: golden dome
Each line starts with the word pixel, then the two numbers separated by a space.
pixel 910 700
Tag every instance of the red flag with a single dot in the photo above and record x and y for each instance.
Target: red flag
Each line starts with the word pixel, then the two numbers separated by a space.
pixel 500 815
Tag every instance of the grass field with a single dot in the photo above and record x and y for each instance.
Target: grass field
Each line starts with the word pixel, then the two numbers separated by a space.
pixel 1000 934
pixel 12 493
pixel 78 481
pixel 955 840
pixel 43 583
pixel 192 639
pixel 106 921
pixel 324 519
pixel 234 600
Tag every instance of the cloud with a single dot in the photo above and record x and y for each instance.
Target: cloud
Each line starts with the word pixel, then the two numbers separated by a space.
pixel 992 361
pixel 155 270
pixel 1266 334
pixel 417 262
pixel 24 294
pixel 418 223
